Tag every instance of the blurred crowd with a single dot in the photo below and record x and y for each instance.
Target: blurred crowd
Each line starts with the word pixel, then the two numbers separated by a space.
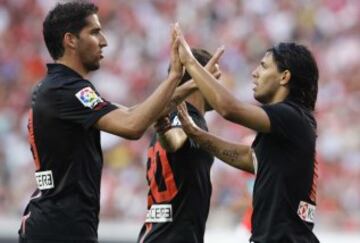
pixel 136 61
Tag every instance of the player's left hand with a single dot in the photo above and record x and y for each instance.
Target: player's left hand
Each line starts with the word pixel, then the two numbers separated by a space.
pixel 184 49
pixel 176 67
pixel 212 66
pixel 187 123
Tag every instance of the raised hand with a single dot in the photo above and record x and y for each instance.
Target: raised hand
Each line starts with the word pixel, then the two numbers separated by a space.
pixel 188 125
pixel 162 125
pixel 184 49
pixel 212 66
pixel 176 67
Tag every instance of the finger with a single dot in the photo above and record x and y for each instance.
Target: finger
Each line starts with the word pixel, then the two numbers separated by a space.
pixel 182 110
pixel 177 29
pixel 175 46
pixel 181 36
pixel 173 33
pixel 180 107
pixel 217 74
pixel 216 57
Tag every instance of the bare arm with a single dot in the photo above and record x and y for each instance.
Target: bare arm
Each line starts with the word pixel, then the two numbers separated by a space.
pixel 236 155
pixel 180 94
pixel 219 97
pixel 188 88
pixel 170 138
pixel 131 123
pixel 173 139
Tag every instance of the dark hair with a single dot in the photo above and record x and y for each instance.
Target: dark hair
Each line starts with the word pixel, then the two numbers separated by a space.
pixel 67 17
pixel 202 56
pixel 304 72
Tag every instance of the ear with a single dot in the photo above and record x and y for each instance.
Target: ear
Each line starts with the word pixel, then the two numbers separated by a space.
pixel 70 40
pixel 285 78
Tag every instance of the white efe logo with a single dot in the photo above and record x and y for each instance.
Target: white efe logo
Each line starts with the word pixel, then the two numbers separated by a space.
pixel 159 213
pixel 44 180
pixel 88 97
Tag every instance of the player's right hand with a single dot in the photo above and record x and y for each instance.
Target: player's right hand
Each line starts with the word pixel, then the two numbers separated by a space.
pixel 176 68
pixel 162 125
pixel 187 123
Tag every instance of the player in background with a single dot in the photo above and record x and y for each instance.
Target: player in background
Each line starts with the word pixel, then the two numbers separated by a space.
pixel 178 174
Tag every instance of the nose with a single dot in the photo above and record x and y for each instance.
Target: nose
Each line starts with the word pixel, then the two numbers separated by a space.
pixel 103 41
pixel 254 73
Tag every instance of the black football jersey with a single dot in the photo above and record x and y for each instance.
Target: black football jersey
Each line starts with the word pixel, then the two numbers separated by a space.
pixel 68 158
pixel 180 190
pixel 284 198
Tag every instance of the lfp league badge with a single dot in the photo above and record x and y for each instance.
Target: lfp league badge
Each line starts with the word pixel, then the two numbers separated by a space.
pixel 88 97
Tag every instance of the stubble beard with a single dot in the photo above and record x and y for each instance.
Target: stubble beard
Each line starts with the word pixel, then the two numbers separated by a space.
pixel 91 66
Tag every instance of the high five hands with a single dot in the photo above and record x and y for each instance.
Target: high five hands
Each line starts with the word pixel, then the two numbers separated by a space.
pixel 187 58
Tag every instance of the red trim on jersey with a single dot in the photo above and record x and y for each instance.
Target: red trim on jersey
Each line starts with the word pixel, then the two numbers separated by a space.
pixel 314 183
pixel 171 188
pixel 148 229
pixel 247 218
pixel 150 201
pixel 31 138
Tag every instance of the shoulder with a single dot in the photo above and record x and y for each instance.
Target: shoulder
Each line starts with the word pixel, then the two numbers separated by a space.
pixel 289 116
pixel 286 109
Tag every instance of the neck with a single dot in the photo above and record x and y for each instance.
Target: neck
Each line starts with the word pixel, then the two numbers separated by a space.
pixel 280 95
pixel 197 101
pixel 74 64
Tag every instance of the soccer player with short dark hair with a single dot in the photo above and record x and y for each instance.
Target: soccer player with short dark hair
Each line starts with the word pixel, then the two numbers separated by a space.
pixel 178 174
pixel 66 116
pixel 283 154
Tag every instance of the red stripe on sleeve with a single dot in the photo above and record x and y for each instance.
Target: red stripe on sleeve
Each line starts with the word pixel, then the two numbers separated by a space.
pixel 31 138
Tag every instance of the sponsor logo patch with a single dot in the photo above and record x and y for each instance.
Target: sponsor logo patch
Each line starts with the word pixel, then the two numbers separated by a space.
pixel 306 211
pixel 88 97
pixel 159 213
pixel 44 179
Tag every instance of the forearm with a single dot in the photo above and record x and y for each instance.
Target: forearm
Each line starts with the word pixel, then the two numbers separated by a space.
pixel 216 94
pixel 147 112
pixel 248 115
pixel 236 155
pixel 124 107
pixel 180 94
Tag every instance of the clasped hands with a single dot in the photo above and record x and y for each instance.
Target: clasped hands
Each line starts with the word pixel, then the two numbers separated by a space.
pixel 182 57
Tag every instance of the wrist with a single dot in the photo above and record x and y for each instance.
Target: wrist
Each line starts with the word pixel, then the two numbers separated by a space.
pixel 163 125
pixel 174 77
pixel 194 133
pixel 189 62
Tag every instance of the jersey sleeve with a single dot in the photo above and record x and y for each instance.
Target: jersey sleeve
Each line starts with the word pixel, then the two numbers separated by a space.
pixel 79 102
pixel 285 120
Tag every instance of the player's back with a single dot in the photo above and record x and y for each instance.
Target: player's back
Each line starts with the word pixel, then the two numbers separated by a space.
pixel 180 190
